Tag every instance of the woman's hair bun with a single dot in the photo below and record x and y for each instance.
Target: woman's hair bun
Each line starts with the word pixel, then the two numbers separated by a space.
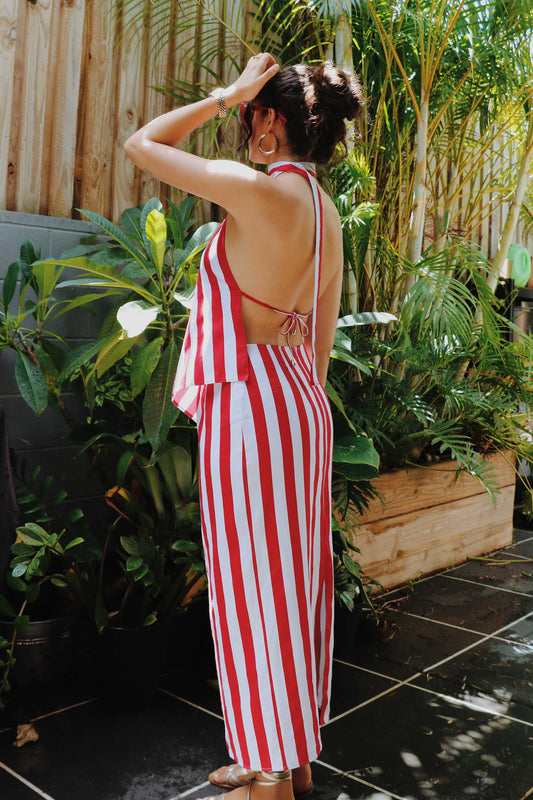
pixel 315 101
pixel 336 89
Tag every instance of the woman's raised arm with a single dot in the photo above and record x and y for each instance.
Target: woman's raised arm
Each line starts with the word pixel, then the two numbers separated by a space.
pixel 153 147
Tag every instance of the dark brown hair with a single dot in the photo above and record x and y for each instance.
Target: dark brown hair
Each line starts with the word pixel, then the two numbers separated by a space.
pixel 315 101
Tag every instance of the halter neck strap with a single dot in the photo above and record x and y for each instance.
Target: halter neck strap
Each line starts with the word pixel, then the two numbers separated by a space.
pixel 307 170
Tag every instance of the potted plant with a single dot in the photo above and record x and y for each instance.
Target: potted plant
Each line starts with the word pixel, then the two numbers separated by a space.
pixel 39 629
pixel 445 394
pixel 151 571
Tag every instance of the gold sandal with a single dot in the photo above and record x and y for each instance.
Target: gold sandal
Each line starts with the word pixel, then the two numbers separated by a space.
pixel 269 779
pixel 266 778
pixel 237 776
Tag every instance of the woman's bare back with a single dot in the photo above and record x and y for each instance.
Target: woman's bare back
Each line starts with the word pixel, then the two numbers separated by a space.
pixel 273 260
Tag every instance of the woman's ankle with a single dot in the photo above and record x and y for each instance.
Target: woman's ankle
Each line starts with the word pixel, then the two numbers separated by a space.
pixel 301 777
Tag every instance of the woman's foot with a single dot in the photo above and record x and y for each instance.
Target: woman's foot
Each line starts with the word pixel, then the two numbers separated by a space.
pixel 262 786
pixel 234 776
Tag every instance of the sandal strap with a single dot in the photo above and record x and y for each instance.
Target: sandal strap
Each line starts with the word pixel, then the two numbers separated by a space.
pixel 239 776
pixel 269 779
pixel 273 778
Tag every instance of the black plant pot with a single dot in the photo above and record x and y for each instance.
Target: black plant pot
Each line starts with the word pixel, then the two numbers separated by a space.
pixel 191 641
pixel 345 629
pixel 43 653
pixel 130 661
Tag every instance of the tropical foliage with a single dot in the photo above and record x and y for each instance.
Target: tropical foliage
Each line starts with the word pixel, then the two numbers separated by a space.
pixel 147 562
pixel 427 363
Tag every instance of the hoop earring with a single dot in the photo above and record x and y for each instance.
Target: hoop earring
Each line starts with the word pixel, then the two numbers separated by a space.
pixel 267 152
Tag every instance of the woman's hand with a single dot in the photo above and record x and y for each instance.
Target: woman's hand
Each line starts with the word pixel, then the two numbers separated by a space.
pixel 259 69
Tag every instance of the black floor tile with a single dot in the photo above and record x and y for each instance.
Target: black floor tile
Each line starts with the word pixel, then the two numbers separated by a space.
pixel 97 754
pixel 502 571
pixel 499 668
pixel 24 703
pixel 13 789
pixel 521 548
pixel 424 747
pixel 519 632
pixel 199 686
pixel 478 608
pixel 408 645
pixel 351 686
pixel 522 533
pixel 473 696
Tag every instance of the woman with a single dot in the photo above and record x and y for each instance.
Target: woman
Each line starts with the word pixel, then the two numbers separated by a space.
pixel 252 373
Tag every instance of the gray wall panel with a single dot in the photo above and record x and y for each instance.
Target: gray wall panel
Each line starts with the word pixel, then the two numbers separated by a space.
pixel 41 438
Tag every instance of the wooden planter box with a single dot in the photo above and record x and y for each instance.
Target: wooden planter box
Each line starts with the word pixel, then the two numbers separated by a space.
pixel 431 521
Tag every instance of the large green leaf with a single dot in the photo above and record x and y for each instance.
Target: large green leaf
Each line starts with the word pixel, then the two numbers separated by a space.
pixel 81 356
pixel 176 466
pixel 101 275
pixel 80 300
pixel 46 363
pixel 159 412
pixel 117 234
pixel 337 401
pixel 199 239
pixel 45 277
pixel 31 383
pixel 10 283
pixel 113 352
pixel 144 362
pixel 179 220
pixel 28 254
pixel 130 219
pixel 356 450
pixel 156 233
pixel 152 204
pixel 356 472
pixel 343 353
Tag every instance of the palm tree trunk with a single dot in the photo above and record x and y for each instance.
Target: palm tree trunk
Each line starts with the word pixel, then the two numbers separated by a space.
pixel 343 42
pixel 418 214
pixel 511 220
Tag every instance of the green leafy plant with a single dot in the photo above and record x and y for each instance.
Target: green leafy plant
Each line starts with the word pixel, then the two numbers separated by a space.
pixel 155 538
pixel 39 558
pixel 151 264
pixel 147 564
pixel 151 559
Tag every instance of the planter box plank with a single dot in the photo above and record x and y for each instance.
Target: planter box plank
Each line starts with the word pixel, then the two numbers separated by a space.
pixel 424 487
pixel 420 530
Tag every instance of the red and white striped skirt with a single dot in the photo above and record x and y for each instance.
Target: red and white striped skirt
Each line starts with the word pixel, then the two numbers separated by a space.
pixel 265 487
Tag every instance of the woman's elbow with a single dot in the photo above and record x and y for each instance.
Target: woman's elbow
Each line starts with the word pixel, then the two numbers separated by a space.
pixel 137 148
pixel 132 145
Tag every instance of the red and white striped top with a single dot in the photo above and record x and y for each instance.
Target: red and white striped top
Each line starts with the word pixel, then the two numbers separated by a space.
pixel 214 347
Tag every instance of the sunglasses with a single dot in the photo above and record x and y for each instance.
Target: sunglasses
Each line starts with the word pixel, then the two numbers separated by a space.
pixel 246 111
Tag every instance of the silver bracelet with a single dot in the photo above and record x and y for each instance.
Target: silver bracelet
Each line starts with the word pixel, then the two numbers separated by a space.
pixel 218 95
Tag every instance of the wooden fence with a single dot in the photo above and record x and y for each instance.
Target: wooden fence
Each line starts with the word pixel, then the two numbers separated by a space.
pixel 74 84
pixel 73 87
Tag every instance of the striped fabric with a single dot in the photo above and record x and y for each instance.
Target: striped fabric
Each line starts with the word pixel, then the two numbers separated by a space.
pixel 265 449
pixel 214 346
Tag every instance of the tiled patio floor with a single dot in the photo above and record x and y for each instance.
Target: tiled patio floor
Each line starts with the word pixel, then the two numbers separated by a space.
pixel 439 706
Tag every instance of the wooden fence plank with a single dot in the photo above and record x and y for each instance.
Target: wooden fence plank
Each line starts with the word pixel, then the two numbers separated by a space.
pixel 9 38
pixel 155 103
pixel 65 103
pixel 30 151
pixel 94 146
pixel 67 108
pixel 129 105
